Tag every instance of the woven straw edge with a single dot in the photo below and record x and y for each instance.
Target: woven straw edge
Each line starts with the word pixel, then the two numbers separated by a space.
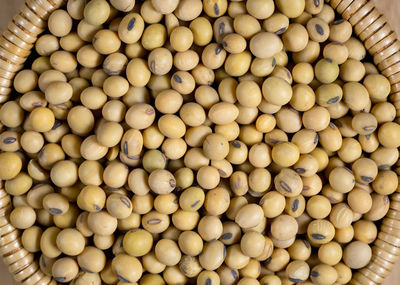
pixel 32 274
pixel 358 278
pixel 373 277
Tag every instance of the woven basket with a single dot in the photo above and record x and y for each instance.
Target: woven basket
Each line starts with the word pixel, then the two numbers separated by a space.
pixel 369 25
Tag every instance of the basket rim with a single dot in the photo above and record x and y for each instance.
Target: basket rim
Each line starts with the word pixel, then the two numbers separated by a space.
pixel 367 21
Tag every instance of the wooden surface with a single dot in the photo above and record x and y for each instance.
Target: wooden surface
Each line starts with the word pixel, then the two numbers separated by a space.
pixel 391 8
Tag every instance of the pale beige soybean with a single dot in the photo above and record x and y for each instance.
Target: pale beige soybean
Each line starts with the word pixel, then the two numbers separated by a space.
pixel 186 60
pixel 60 23
pixel 160 61
pixel 115 86
pixel 259 42
pixel 273 86
pixel 91 149
pixel 238 64
pixel 96 12
pixel 248 94
pixel 337 52
pixel 140 116
pixel 341 31
pixel 295 38
pixel 291 8
pixel 154 36
pixel 188 10
pixel 88 57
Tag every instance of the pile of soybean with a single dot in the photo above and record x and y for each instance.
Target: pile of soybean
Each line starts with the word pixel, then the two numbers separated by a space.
pixel 199 142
